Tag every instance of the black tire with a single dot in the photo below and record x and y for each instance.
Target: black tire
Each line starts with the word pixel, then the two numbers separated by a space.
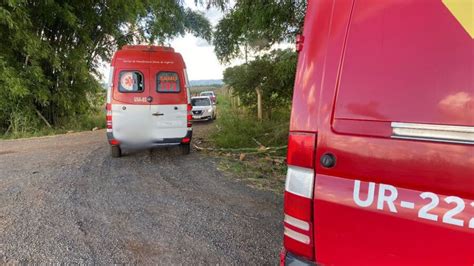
pixel 115 151
pixel 185 148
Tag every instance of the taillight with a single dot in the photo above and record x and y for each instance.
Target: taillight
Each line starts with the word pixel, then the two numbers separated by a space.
pixel 298 206
pixel 190 116
pixel 299 42
pixel 108 117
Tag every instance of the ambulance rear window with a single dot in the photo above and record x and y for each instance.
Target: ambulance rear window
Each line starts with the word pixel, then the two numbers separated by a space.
pixel 167 82
pixel 131 81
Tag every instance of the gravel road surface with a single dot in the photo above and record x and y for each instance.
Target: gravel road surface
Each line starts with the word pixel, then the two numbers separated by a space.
pixel 63 199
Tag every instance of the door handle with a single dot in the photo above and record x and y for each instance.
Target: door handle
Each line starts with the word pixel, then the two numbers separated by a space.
pixel 157 114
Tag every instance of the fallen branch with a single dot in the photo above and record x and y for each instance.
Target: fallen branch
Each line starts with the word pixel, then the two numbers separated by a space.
pixel 44 119
pixel 8 129
pixel 256 150
pixel 258 143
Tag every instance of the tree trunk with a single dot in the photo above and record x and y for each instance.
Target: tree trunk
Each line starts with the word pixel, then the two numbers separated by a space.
pixel 259 104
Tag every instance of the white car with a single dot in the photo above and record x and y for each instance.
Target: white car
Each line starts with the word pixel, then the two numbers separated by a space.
pixel 211 95
pixel 203 108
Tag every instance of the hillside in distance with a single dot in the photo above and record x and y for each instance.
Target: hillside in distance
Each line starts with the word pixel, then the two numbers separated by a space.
pixel 206 82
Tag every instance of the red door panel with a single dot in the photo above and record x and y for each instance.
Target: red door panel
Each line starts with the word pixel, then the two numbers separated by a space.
pixel 407 61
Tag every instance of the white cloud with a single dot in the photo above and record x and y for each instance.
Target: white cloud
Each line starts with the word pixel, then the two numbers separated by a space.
pixel 201 61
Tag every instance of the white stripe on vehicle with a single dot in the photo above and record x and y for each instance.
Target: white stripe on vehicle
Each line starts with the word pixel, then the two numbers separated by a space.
pixel 296 236
pixel 296 222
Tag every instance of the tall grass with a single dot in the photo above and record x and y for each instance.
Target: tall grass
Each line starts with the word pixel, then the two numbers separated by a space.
pixel 23 126
pixel 82 122
pixel 238 127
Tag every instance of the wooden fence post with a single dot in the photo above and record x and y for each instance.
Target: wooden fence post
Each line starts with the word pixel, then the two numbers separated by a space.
pixel 259 104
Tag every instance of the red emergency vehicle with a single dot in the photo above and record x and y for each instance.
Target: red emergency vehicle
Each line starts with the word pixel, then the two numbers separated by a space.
pixel 148 102
pixel 380 151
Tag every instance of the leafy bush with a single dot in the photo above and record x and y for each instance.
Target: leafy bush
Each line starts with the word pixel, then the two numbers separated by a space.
pixel 272 74
pixel 51 51
pixel 238 128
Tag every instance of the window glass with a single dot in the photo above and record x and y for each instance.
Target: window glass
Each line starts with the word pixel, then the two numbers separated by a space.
pixel 186 78
pixel 167 82
pixel 200 102
pixel 131 81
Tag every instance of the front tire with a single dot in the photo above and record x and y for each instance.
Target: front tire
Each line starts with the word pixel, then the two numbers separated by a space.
pixel 115 151
pixel 185 148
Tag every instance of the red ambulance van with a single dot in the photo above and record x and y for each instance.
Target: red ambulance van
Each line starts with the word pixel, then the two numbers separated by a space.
pixel 381 144
pixel 148 101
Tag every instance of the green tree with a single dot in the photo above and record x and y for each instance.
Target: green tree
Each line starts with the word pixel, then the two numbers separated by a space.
pixel 256 25
pixel 50 51
pixel 273 74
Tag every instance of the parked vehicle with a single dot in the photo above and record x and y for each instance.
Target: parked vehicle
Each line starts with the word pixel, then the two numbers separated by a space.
pixel 211 94
pixel 203 108
pixel 380 151
pixel 148 103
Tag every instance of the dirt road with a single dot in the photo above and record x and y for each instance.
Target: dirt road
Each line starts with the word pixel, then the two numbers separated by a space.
pixel 64 199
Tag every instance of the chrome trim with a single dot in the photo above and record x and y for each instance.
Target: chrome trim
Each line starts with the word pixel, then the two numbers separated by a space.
pixel 431 132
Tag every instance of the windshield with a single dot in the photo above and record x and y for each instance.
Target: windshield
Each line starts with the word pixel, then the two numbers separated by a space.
pixel 207 94
pixel 200 102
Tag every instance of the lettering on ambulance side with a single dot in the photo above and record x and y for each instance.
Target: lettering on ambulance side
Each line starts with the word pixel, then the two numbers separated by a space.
pixel 388 196
pixel 147 62
pixel 139 99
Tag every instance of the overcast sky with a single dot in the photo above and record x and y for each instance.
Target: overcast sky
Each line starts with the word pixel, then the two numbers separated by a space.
pixel 198 54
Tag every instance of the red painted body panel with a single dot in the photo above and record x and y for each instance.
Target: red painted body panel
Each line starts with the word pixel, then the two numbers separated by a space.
pixel 152 60
pixel 350 235
pixel 363 65
pixel 407 61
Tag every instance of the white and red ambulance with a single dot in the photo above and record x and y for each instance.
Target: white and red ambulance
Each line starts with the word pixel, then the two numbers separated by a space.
pixel 148 102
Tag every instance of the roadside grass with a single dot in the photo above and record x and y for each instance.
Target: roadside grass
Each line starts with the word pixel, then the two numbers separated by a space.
pixel 83 122
pixel 236 128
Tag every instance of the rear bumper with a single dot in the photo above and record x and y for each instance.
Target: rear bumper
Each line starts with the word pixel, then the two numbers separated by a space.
pixel 157 143
pixel 286 258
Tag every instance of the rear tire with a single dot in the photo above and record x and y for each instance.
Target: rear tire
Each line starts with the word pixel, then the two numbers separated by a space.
pixel 115 151
pixel 185 148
